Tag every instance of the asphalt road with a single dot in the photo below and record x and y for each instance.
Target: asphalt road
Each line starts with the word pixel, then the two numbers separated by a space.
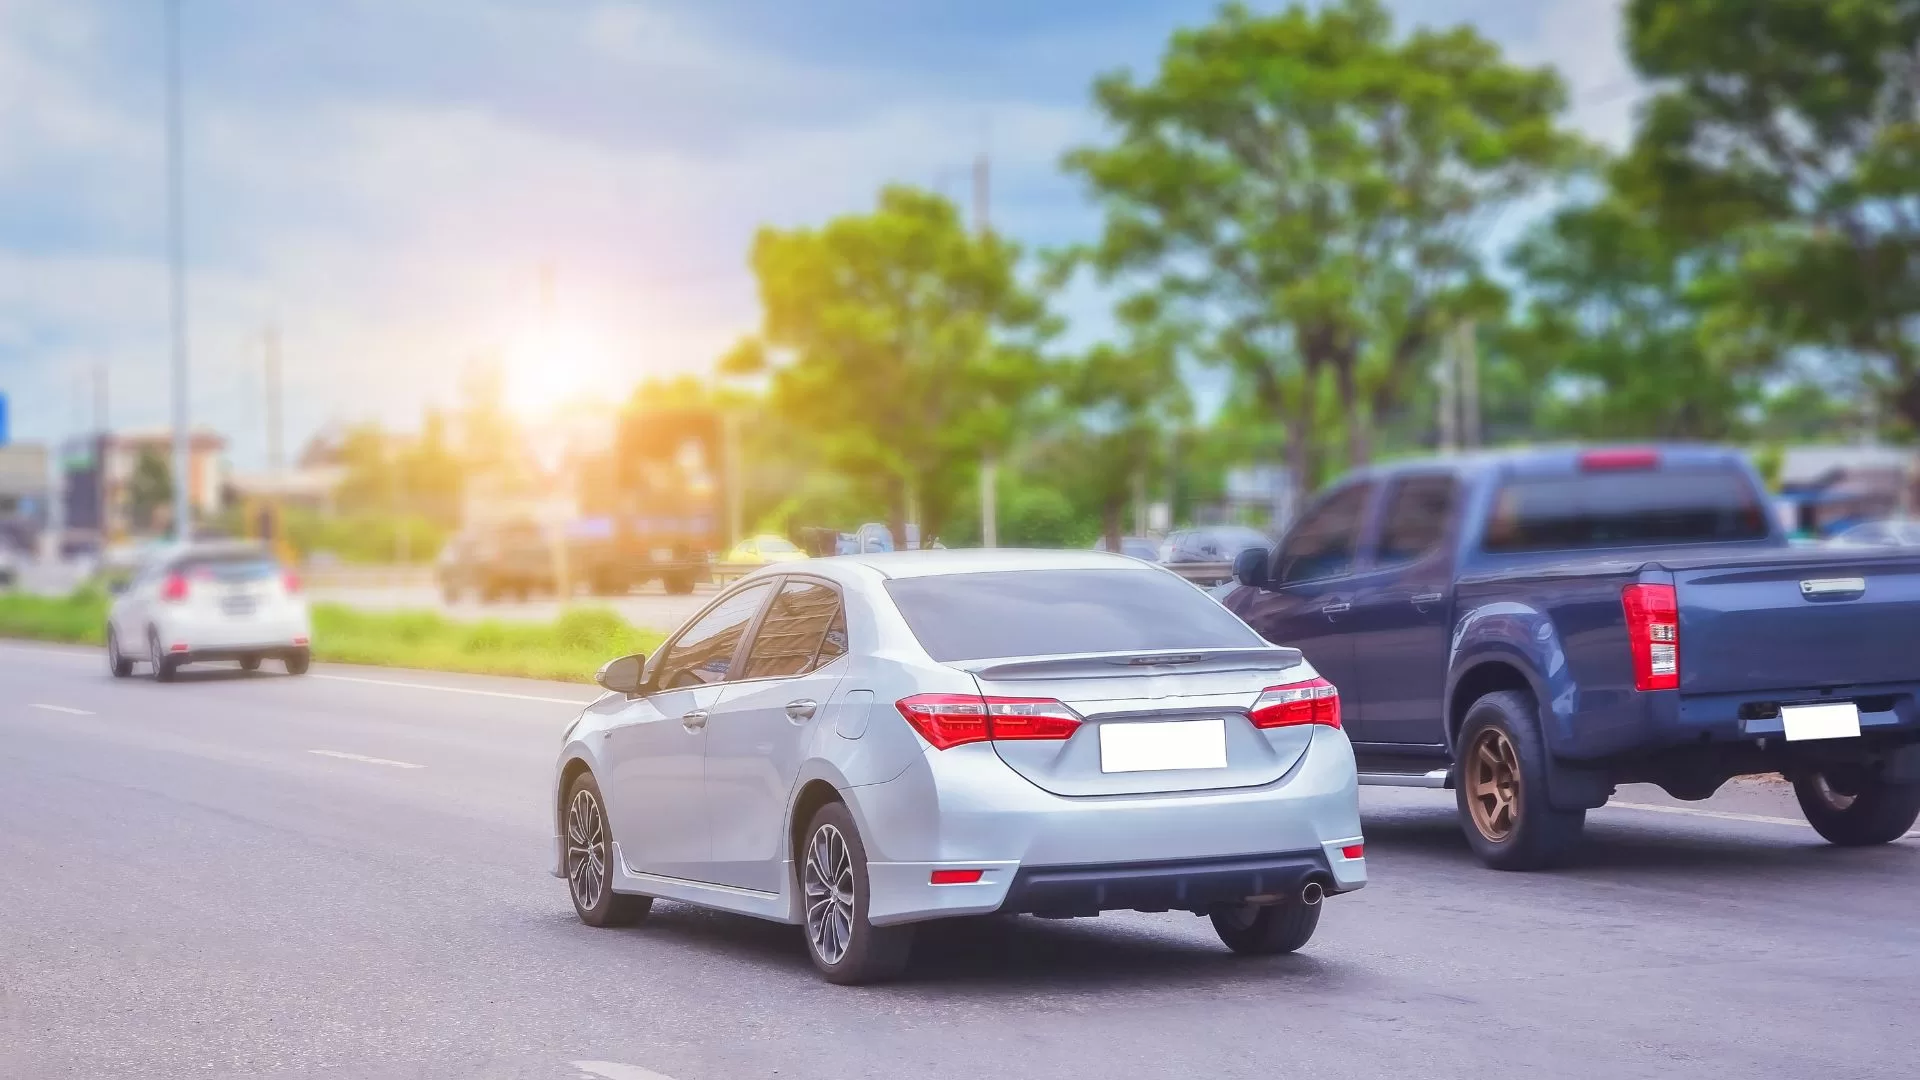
pixel 648 608
pixel 344 876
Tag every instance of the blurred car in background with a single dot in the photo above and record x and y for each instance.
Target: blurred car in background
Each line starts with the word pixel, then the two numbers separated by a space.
pixel 511 558
pixel 9 567
pixel 765 548
pixel 200 602
pixel 1892 532
pixel 1212 544
pixel 1136 547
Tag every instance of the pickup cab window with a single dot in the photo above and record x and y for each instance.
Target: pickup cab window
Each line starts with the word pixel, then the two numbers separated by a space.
pixel 1624 509
pixel 1416 518
pixel 1322 545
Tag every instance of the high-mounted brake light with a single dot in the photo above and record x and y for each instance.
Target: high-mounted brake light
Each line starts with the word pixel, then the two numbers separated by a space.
pixel 1604 460
pixel 1653 633
pixel 1312 702
pixel 174 589
pixel 950 720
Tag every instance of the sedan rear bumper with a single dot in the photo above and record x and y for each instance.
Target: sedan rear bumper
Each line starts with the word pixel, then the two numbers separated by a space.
pixel 1188 885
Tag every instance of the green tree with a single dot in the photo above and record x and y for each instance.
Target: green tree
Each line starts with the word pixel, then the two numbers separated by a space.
pixel 1786 136
pixel 149 488
pixel 1311 184
pixel 1123 398
pixel 900 344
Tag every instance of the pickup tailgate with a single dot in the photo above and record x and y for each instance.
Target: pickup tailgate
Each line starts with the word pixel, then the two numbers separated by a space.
pixel 1798 622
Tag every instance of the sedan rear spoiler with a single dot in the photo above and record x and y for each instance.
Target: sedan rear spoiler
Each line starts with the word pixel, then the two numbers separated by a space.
pixel 1121 664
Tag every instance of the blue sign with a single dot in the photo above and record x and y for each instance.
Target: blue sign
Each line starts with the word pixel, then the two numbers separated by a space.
pixel 3 419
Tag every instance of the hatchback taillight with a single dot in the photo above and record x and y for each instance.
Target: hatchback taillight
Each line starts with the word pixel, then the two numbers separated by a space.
pixel 1312 702
pixel 174 589
pixel 1653 633
pixel 290 581
pixel 950 720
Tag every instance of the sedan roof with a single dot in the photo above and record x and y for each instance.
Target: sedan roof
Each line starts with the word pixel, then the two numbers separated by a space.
pixel 911 564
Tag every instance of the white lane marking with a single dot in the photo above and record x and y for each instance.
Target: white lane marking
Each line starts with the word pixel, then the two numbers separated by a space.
pixel 68 709
pixel 453 689
pixel 613 1070
pixel 1722 815
pixel 344 756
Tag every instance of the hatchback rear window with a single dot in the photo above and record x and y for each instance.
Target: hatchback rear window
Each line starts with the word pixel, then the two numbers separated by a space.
pixel 230 567
pixel 1624 509
pixel 1055 612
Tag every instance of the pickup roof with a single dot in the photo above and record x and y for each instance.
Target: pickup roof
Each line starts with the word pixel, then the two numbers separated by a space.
pixel 1534 628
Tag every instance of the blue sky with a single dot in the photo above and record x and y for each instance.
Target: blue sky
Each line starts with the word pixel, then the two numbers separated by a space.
pixel 382 179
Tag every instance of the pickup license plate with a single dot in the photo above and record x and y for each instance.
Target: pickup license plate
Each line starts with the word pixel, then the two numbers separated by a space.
pixel 1174 744
pixel 1839 720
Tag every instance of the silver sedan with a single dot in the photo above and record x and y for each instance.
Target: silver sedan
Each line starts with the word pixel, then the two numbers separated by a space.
pixel 860 744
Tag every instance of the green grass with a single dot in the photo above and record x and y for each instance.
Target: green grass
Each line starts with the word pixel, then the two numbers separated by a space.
pixel 570 648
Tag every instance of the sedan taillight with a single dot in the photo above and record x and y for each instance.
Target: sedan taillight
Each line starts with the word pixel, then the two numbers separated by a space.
pixel 950 720
pixel 1312 702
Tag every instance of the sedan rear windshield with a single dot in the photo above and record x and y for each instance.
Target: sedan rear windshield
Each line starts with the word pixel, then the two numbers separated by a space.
pixel 1625 509
pixel 1055 612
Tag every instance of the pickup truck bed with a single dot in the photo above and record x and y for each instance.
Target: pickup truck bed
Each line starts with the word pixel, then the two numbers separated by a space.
pixel 1534 629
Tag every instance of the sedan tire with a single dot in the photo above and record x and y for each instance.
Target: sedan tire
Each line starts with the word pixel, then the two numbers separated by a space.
pixel 589 860
pixel 1858 810
pixel 1266 929
pixel 834 893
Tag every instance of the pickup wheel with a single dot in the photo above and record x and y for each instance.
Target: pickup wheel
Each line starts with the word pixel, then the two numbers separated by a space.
pixel 1856 807
pixel 1501 787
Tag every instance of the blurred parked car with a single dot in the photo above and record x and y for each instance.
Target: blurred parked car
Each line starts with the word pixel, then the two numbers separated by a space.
pixel 1212 544
pixel 1137 547
pixel 511 558
pixel 220 601
pixel 1892 532
pixel 765 548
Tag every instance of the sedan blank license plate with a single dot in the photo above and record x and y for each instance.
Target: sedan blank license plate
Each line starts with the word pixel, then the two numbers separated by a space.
pixel 1176 744
pixel 1840 720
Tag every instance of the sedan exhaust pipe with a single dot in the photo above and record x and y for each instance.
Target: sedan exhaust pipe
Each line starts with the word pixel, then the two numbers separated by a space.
pixel 1311 893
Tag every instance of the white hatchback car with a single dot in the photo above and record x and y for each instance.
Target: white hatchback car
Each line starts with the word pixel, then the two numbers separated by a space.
pixel 198 602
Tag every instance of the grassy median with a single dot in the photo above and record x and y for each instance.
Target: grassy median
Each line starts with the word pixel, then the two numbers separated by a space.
pixel 569 648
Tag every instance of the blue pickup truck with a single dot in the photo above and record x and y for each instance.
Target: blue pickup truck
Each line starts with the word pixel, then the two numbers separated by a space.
pixel 1532 629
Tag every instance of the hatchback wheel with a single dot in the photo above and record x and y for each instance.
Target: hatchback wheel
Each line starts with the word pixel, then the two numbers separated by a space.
pixel 1856 807
pixel 589 863
pixel 249 663
pixel 121 666
pixel 833 886
pixel 165 667
pixel 298 661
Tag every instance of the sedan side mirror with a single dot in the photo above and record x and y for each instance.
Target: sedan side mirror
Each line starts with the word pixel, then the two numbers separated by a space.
pixel 623 676
pixel 1250 568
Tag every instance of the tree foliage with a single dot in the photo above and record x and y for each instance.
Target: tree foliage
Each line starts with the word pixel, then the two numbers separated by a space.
pixel 1311 183
pixel 901 344
pixel 150 488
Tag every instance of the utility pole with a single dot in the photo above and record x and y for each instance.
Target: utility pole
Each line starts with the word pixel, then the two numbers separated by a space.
pixel 177 260
pixel 1469 356
pixel 989 465
pixel 271 345
pixel 99 399
pixel 1449 410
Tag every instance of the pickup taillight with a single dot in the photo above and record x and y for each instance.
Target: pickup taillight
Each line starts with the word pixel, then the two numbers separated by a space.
pixel 1653 633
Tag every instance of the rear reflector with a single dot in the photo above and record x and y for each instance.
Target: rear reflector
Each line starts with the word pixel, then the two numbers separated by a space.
pixel 956 877
pixel 1312 702
pixel 1653 633
pixel 299 641
pixel 1604 460
pixel 1354 851
pixel 179 647
pixel 950 720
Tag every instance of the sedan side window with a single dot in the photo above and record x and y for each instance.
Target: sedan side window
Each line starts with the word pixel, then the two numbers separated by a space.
pixel 1322 545
pixel 804 629
pixel 704 652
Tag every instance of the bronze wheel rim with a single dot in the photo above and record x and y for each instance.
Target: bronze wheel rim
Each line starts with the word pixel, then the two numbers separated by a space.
pixel 1493 784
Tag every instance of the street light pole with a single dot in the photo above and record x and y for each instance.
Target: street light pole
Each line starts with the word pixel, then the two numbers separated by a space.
pixel 177 258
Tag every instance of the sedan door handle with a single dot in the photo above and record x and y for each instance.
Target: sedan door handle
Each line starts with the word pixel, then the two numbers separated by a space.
pixel 694 720
pixel 1330 610
pixel 801 711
